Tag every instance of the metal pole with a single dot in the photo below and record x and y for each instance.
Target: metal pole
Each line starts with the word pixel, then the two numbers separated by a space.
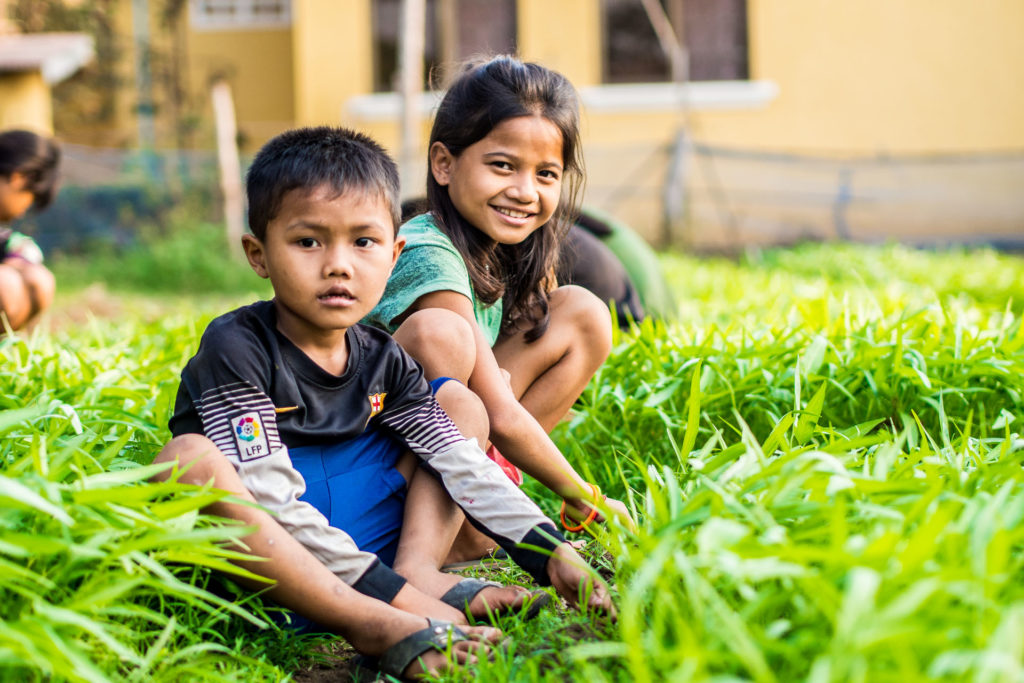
pixel 143 82
pixel 674 190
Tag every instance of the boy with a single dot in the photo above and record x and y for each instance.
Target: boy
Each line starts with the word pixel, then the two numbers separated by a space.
pixel 289 403
pixel 28 180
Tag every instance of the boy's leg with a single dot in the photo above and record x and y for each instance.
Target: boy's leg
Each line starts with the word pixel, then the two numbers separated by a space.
pixel 303 583
pixel 15 302
pixel 432 520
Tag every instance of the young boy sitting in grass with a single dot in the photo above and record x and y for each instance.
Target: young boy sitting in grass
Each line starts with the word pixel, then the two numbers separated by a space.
pixel 364 472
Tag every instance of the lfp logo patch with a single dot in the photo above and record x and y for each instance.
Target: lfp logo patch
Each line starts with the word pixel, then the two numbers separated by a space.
pixel 248 428
pixel 250 436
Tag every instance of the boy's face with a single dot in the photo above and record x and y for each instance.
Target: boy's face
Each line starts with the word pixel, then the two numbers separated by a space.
pixel 15 200
pixel 328 258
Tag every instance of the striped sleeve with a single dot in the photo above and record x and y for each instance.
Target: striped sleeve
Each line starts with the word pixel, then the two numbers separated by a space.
pixel 240 420
pixel 492 503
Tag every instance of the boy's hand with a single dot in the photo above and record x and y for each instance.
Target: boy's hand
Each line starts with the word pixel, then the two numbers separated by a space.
pixel 574 579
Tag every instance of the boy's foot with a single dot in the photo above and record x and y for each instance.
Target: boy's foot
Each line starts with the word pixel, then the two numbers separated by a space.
pixel 424 651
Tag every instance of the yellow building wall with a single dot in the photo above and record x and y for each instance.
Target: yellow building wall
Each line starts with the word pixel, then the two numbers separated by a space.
pixel 25 102
pixel 333 57
pixel 865 78
pixel 258 65
pixel 564 35
pixel 882 76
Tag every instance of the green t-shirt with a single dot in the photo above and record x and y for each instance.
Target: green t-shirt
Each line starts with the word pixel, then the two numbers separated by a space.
pixel 430 263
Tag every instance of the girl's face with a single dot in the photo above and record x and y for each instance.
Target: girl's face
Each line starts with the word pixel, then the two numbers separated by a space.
pixel 507 184
pixel 15 200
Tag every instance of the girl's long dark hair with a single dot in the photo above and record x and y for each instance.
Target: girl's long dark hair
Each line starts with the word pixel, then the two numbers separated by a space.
pixel 481 97
pixel 35 157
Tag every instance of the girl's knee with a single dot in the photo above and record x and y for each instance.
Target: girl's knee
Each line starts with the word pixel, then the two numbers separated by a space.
pixel 587 315
pixel 441 340
pixel 465 409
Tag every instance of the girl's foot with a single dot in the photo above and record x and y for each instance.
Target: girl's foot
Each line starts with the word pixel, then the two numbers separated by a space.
pixel 486 598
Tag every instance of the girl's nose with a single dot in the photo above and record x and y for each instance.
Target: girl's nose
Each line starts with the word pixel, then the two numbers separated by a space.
pixel 523 189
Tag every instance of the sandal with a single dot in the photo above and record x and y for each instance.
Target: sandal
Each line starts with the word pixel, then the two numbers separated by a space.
pixel 439 635
pixel 461 594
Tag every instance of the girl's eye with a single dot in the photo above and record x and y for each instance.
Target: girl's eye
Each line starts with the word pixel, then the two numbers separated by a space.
pixel 549 174
pixel 503 165
pixel 308 243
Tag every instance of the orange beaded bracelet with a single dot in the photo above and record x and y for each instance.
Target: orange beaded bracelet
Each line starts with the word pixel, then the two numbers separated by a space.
pixel 590 517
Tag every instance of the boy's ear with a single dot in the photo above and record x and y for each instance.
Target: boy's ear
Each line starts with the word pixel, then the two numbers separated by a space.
pixel 441 161
pixel 397 250
pixel 254 253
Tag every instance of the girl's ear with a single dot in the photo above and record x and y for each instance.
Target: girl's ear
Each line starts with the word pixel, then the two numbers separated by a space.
pixel 254 253
pixel 441 161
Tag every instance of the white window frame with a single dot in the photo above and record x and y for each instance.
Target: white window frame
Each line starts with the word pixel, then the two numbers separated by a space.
pixel 243 18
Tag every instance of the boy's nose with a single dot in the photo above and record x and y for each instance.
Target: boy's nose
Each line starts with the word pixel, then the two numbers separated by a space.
pixel 337 263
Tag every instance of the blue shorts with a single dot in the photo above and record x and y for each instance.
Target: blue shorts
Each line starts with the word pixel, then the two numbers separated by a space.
pixel 357 488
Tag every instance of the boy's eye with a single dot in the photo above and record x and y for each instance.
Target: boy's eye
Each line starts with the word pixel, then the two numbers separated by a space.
pixel 307 242
pixel 363 242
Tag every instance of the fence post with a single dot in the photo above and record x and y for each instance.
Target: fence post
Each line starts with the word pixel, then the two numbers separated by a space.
pixel 228 163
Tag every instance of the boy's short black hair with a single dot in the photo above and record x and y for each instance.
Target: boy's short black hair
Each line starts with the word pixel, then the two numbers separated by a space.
pixel 34 156
pixel 309 158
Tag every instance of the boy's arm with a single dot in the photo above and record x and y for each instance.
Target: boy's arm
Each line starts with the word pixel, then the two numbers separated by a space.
pixel 240 419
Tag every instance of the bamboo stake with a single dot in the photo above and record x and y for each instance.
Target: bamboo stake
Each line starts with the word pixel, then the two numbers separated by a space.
pixel 227 160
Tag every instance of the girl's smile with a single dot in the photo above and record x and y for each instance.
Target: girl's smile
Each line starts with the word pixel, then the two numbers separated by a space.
pixel 508 183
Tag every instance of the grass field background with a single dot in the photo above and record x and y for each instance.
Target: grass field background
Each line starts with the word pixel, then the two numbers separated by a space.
pixel 823 450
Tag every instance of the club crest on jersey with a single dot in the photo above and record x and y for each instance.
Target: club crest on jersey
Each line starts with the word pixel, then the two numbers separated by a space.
pixel 250 436
pixel 376 403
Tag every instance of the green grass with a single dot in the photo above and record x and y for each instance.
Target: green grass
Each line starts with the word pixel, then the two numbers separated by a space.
pixel 824 452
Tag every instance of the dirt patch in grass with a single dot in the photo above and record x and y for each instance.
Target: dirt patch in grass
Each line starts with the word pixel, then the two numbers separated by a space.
pixel 335 663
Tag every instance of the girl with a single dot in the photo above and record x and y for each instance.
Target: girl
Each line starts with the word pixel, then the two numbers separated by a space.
pixel 473 296
pixel 28 179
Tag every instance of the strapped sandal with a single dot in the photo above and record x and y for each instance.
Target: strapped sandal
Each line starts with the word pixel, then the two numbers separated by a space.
pixel 461 594
pixel 437 636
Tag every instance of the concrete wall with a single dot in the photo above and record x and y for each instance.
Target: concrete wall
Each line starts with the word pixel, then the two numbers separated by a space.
pixel 25 102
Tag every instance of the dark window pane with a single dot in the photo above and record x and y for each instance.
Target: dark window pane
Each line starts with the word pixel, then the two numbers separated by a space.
pixel 481 27
pixel 715 34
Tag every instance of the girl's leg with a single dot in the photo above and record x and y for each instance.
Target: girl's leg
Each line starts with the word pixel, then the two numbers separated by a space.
pixel 549 374
pixel 432 520
pixel 303 584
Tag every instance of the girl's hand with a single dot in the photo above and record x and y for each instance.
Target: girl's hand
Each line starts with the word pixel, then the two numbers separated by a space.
pixel 579 509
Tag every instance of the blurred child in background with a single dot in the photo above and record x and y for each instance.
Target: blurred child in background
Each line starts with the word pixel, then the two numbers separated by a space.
pixel 28 180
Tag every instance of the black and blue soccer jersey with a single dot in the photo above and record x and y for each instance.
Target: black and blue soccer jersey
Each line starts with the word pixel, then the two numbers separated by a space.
pixel 255 394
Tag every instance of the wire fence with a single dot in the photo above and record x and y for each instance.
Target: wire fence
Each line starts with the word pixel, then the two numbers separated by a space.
pixel 718 199
pixel 732 198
